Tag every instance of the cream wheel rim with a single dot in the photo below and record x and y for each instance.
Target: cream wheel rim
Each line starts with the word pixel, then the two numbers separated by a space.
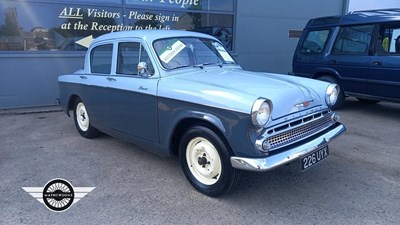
pixel 82 117
pixel 203 161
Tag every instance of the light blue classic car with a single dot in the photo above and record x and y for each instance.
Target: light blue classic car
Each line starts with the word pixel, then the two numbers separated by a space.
pixel 180 93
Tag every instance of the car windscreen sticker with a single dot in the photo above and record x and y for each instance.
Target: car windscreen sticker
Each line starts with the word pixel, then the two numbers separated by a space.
pixel 222 51
pixel 171 50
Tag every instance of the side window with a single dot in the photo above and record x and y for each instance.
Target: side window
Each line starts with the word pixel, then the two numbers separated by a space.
pixel 315 41
pixel 389 39
pixel 144 57
pixel 100 59
pixel 354 40
pixel 129 56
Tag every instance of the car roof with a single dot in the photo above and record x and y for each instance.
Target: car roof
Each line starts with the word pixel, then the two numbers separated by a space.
pixel 356 17
pixel 150 35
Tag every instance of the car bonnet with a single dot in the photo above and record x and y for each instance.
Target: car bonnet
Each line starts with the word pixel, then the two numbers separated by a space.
pixel 237 89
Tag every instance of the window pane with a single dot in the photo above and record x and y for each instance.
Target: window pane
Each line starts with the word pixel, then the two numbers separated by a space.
pixel 205 52
pixel 144 57
pixel 174 53
pixel 315 42
pixel 88 1
pixel 222 29
pixel 57 26
pixel 389 39
pixel 185 52
pixel 128 58
pixel 101 57
pixel 353 40
pixel 39 26
pixel 221 5
pixel 217 25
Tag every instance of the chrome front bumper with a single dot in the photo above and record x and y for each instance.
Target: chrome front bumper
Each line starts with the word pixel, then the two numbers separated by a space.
pixel 274 161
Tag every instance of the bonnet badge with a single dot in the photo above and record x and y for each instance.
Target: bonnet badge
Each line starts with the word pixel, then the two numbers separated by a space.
pixel 304 104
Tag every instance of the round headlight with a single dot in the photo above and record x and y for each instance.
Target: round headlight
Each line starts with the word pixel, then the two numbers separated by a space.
pixel 261 112
pixel 332 94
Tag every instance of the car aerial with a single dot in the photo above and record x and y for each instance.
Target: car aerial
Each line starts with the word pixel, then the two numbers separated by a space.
pixel 359 51
pixel 180 93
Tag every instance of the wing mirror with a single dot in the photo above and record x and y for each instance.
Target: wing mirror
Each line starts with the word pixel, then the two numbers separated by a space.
pixel 142 69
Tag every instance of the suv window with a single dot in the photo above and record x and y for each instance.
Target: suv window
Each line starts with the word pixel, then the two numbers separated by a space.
pixel 129 55
pixel 100 59
pixel 353 40
pixel 389 39
pixel 315 41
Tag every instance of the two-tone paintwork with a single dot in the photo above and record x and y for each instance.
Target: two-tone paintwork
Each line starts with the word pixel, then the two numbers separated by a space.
pixel 153 112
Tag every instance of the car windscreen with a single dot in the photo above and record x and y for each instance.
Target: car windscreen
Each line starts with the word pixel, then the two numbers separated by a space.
pixel 181 52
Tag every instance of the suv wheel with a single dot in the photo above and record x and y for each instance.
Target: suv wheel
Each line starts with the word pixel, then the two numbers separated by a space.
pixel 341 96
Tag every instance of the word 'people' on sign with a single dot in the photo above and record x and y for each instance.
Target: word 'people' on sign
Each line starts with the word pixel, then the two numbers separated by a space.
pixel 182 3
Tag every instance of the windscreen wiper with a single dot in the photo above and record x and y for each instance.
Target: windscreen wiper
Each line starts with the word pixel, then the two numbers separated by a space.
pixel 178 67
pixel 201 66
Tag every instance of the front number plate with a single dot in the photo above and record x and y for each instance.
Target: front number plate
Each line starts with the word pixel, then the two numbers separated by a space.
pixel 314 158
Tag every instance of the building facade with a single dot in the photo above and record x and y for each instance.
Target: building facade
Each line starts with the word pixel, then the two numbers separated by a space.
pixel 41 39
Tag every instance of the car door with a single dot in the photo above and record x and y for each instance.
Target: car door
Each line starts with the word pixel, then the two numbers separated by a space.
pixel 132 96
pixel 350 57
pixel 94 92
pixel 384 76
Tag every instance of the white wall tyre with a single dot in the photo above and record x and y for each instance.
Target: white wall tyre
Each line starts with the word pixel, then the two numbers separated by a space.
pixel 205 161
pixel 82 120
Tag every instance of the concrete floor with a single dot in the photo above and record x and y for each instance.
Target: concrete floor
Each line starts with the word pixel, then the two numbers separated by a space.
pixel 359 183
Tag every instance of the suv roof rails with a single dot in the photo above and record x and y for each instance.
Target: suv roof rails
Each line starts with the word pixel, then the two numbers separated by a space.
pixel 357 17
pixel 376 12
pixel 326 20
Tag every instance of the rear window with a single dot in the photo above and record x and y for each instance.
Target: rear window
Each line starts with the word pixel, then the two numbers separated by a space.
pixel 315 41
pixel 389 39
pixel 100 59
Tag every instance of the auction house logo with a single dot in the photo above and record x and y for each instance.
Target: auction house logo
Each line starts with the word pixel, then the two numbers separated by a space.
pixel 58 194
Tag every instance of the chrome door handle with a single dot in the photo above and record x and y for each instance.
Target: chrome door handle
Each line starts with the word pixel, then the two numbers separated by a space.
pixel 83 77
pixel 111 79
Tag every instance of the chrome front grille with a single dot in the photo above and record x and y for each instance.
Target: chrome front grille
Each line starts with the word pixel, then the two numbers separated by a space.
pixel 299 129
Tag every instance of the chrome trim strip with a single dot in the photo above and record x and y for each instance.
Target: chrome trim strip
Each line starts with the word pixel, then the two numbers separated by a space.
pixel 271 133
pixel 298 133
pixel 271 162
pixel 315 116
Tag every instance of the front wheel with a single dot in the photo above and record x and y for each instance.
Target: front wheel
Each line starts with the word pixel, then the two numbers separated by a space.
pixel 205 161
pixel 82 121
